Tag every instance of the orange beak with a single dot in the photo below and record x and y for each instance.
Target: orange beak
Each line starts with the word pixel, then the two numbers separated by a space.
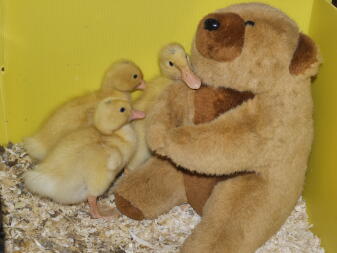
pixel 190 78
pixel 141 86
pixel 137 115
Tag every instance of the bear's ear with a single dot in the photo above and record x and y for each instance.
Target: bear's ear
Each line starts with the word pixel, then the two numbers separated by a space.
pixel 305 56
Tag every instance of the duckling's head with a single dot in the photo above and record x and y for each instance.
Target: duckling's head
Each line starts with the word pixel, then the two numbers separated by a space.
pixel 174 64
pixel 112 113
pixel 123 76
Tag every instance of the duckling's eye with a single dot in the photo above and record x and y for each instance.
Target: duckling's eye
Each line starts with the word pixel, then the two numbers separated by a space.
pixel 249 22
pixel 122 109
pixel 171 63
pixel 135 76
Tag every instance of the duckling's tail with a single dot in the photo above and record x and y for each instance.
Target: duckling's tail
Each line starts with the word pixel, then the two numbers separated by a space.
pixel 40 183
pixel 59 190
pixel 34 148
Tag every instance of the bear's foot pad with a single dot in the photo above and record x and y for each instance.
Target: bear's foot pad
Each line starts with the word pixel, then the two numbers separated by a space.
pixel 126 208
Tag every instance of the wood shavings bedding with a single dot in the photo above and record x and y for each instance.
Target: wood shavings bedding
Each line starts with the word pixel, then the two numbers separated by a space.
pixel 34 224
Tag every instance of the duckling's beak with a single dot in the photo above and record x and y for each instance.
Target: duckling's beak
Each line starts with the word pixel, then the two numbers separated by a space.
pixel 141 86
pixel 190 78
pixel 135 114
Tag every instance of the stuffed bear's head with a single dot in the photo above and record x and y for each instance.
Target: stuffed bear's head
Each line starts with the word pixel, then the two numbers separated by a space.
pixel 248 46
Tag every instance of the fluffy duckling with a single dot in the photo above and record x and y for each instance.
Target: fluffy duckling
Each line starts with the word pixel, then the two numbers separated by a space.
pixel 120 79
pixel 84 163
pixel 174 65
pixel 123 76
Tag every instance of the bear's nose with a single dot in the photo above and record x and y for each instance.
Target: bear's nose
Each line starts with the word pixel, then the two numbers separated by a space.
pixel 211 24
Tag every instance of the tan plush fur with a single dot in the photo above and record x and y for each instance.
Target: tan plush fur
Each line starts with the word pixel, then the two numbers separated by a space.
pixel 269 135
pixel 151 197
pixel 86 161
pixel 172 61
pixel 118 81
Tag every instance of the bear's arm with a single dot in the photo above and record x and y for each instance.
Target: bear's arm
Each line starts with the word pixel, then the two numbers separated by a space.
pixel 164 116
pixel 230 143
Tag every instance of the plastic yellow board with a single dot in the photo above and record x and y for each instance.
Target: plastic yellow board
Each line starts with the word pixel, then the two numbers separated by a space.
pixel 3 126
pixel 55 50
pixel 321 186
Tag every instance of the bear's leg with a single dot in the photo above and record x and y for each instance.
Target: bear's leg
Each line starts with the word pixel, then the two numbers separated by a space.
pixel 239 217
pixel 150 190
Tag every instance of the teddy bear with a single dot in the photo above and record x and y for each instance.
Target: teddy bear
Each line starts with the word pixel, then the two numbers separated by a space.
pixel 237 148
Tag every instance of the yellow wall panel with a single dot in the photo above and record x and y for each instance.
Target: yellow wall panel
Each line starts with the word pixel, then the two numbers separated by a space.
pixel 55 50
pixel 3 125
pixel 321 186
pixel 3 122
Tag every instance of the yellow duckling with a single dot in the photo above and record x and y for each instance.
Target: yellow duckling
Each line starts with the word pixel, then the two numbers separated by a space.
pixel 85 162
pixel 123 76
pixel 120 79
pixel 174 65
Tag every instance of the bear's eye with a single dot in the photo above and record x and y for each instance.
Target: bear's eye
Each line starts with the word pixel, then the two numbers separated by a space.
pixel 122 109
pixel 211 24
pixel 171 63
pixel 249 22
pixel 135 76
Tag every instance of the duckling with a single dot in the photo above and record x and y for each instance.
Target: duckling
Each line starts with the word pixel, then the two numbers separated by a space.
pixel 83 164
pixel 123 76
pixel 174 65
pixel 120 79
